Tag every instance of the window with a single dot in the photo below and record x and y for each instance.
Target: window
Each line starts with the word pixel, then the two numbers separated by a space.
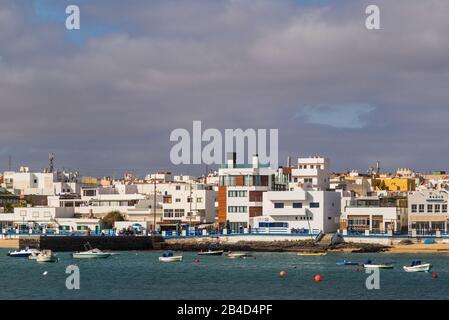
pixel 297 205
pixel 421 208
pixel 444 208
pixel 177 200
pixel 437 208
pixel 168 213
pixel 314 204
pixel 23 213
pixel 189 199
pixel 308 180
pixel 179 213
pixel 35 214
pixel 232 194
pixel 178 187
pixel 414 208
pixel 278 205
pixel 47 214
pixel 239 209
pixel 199 200
pixel 429 208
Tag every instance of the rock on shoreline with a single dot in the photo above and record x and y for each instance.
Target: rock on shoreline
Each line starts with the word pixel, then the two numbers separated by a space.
pixel 268 246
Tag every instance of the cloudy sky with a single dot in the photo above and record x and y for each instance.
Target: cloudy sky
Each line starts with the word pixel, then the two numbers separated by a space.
pixel 105 98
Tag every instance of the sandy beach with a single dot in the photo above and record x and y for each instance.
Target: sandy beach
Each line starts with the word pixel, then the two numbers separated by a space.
pixel 420 248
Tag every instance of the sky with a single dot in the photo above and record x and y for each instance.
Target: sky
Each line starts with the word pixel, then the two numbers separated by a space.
pixel 104 99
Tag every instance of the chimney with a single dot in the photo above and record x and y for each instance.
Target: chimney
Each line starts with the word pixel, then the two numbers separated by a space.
pixel 231 159
pixel 256 161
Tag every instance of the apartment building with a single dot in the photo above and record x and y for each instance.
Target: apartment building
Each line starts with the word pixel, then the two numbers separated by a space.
pixel 309 210
pixel 428 211
pixel 374 214
pixel 240 192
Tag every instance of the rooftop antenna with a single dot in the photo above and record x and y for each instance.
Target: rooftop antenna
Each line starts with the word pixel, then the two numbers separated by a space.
pixel 378 167
pixel 51 158
pixel 9 162
pixel 289 162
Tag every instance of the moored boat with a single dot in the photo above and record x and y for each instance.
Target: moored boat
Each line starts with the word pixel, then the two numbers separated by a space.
pixel 237 255
pixel 46 256
pixel 33 255
pixel 418 266
pixel 169 257
pixel 24 253
pixel 368 264
pixel 211 253
pixel 91 253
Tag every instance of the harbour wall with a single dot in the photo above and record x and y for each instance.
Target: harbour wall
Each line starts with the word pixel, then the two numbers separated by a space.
pixel 76 243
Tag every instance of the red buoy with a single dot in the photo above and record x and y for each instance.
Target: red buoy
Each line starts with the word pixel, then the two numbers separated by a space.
pixel 282 273
pixel 197 260
pixel 434 275
pixel 357 269
pixel 317 278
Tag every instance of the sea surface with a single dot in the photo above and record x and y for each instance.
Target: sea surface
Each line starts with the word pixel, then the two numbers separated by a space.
pixel 139 275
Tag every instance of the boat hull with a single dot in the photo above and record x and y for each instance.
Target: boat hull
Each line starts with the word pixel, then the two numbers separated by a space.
pixel 378 266
pixel 347 263
pixel 211 253
pixel 91 255
pixel 419 268
pixel 171 259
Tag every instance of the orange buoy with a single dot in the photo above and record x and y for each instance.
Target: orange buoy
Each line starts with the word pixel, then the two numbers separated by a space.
pixel 318 278
pixel 282 273
pixel 434 275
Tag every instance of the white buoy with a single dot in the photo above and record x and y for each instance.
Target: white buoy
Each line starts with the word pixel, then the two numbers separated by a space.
pixel 45 273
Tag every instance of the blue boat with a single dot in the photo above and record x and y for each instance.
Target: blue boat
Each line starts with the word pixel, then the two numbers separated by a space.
pixel 346 263
pixel 24 253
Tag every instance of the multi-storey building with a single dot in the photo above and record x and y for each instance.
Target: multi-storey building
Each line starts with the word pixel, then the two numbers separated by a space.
pixel 240 192
pixel 374 214
pixel 428 211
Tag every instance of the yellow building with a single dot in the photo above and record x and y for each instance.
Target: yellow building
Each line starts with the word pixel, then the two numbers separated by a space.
pixel 394 184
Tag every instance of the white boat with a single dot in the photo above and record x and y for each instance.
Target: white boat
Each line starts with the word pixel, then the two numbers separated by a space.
pixel 33 255
pixel 169 257
pixel 211 253
pixel 237 255
pixel 24 253
pixel 418 266
pixel 378 266
pixel 368 264
pixel 91 253
pixel 46 256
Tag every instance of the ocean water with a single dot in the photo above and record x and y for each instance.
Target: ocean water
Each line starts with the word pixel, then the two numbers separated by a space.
pixel 139 275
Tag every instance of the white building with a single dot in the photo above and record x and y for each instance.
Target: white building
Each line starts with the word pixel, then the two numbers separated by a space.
pixel 240 192
pixel 374 214
pixel 315 211
pixel 428 211
pixel 311 174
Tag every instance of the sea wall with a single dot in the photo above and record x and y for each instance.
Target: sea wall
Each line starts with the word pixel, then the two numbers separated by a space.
pixel 76 243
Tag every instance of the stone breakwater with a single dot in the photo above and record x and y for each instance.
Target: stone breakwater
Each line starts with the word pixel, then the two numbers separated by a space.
pixel 235 243
pixel 266 246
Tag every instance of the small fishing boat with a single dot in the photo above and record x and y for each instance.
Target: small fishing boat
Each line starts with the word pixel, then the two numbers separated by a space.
pixel 24 253
pixel 418 266
pixel 368 264
pixel 211 252
pixel 46 256
pixel 312 254
pixel 169 257
pixel 237 255
pixel 91 253
pixel 346 263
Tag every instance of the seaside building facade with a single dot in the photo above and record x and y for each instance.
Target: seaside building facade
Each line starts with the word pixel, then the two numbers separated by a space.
pixel 428 212
pixel 240 192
